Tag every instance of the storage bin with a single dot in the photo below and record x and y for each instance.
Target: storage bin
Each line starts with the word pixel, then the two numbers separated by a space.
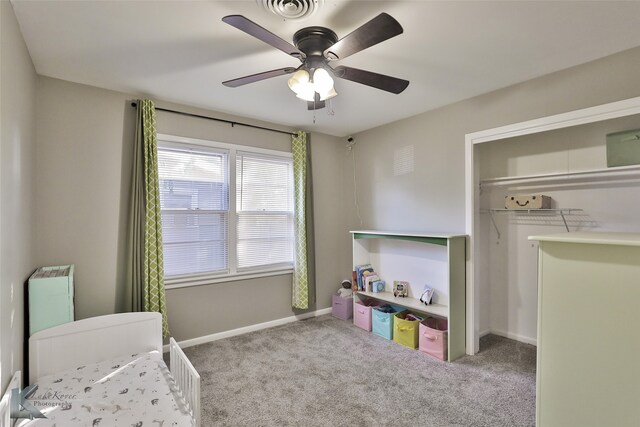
pixel 433 337
pixel 50 295
pixel 527 201
pixel 342 308
pixel 405 332
pixel 362 313
pixel 382 323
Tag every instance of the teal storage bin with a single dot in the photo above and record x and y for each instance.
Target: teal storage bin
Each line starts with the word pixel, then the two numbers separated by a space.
pixel 382 323
pixel 50 297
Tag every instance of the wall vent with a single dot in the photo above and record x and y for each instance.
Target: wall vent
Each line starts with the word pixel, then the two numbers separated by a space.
pixel 291 10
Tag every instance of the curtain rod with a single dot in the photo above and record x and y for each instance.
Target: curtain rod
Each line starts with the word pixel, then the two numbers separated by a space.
pixel 232 123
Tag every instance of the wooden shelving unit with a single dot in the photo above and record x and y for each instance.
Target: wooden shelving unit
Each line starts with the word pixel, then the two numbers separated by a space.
pixel 446 270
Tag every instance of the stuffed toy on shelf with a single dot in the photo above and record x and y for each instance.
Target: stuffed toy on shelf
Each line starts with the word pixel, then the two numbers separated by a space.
pixel 345 291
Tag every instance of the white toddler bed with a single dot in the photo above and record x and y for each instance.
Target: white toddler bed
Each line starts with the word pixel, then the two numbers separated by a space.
pixel 108 370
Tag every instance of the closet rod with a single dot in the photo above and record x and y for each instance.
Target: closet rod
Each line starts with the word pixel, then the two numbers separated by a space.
pixel 609 174
pixel 232 123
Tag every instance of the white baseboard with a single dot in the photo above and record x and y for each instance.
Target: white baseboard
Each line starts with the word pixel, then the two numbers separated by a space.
pixel 513 336
pixel 485 333
pixel 246 329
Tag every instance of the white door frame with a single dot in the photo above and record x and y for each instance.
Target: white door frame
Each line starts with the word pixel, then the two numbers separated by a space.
pixel 608 111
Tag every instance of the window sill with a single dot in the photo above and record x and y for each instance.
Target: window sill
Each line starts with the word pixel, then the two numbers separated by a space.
pixel 186 282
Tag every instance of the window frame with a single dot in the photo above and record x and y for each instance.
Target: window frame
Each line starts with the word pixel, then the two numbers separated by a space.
pixel 291 200
pixel 233 273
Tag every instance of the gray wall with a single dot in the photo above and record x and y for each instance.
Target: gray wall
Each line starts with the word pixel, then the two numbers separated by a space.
pixel 509 280
pixel 432 197
pixel 17 160
pixel 84 161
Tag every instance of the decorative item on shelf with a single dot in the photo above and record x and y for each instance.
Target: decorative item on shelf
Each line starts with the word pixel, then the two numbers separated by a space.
pixel 427 295
pixel 527 201
pixel 623 148
pixel 345 291
pixel 400 289
pixel 378 286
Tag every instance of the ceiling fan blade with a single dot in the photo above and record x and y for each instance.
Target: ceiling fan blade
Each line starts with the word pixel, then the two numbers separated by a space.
pixel 257 77
pixel 379 29
pixel 379 81
pixel 255 30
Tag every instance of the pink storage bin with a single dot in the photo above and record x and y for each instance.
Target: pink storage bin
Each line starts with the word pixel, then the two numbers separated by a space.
pixel 342 308
pixel 432 337
pixel 362 313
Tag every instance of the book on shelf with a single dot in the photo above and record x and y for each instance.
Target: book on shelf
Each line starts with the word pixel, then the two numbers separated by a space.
pixel 368 277
pixel 360 269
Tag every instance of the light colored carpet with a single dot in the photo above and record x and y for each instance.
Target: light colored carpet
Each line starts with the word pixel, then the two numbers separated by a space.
pixel 327 372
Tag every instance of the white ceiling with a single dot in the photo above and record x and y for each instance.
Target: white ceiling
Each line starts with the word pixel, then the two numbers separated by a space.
pixel 181 51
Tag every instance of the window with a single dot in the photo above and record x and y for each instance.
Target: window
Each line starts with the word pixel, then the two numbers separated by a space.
pixel 227 210
pixel 264 199
pixel 194 202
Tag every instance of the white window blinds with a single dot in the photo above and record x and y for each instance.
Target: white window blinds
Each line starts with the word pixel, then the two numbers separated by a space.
pixel 194 198
pixel 264 204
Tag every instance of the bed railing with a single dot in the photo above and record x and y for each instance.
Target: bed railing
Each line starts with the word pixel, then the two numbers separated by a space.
pixel 186 377
pixel 5 402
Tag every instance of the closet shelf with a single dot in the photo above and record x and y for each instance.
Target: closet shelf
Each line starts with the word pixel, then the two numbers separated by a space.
pixel 563 211
pixel 618 173
pixel 560 211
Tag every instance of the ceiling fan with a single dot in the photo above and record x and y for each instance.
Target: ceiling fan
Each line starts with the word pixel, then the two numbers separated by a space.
pixel 317 47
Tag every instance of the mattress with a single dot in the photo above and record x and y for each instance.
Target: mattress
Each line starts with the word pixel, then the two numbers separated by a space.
pixel 133 391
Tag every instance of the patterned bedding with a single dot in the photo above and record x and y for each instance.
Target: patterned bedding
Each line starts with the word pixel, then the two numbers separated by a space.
pixel 135 391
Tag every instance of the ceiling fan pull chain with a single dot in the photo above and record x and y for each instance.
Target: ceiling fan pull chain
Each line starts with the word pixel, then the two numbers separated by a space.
pixel 330 111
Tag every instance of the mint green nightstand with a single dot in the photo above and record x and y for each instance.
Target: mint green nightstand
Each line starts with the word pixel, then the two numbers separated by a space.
pixel 50 297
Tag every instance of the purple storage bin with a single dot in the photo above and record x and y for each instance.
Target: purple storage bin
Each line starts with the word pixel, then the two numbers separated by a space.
pixel 342 308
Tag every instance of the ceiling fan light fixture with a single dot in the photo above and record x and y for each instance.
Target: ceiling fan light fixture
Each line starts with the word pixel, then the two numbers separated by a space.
pixel 328 95
pixel 308 95
pixel 322 81
pixel 323 84
pixel 316 47
pixel 301 85
pixel 299 81
pixel 306 89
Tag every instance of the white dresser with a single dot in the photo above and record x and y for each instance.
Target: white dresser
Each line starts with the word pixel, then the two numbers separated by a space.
pixel 588 370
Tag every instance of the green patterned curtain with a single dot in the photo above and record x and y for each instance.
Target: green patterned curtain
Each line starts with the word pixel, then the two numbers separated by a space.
pixel 304 268
pixel 145 262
